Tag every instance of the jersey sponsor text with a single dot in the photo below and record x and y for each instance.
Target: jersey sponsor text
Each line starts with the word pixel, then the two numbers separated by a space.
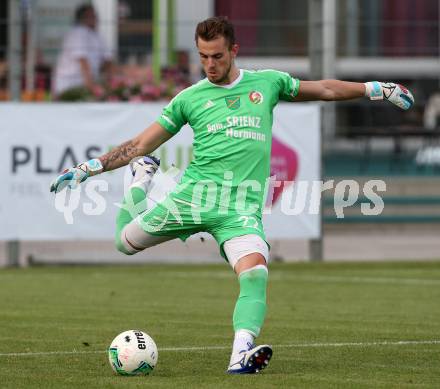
pixel 246 134
pixel 236 121
pixel 243 121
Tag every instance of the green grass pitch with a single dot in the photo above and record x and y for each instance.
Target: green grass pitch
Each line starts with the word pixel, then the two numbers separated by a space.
pixel 357 325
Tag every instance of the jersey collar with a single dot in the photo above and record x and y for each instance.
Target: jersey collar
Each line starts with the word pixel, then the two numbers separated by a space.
pixel 232 84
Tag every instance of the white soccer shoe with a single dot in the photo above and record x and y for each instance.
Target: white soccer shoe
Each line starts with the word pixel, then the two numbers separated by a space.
pixel 143 170
pixel 251 361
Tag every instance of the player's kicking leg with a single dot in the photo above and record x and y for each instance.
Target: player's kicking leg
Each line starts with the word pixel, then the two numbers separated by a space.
pixel 248 256
pixel 130 237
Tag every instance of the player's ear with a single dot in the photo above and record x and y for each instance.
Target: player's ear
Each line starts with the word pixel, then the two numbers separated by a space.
pixel 234 50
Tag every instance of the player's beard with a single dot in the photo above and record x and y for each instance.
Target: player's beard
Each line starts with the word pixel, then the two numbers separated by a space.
pixel 223 77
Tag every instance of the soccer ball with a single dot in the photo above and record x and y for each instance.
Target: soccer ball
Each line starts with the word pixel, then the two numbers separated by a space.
pixel 133 353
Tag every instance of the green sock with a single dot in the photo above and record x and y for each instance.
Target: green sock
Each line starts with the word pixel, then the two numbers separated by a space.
pixel 250 308
pixel 132 204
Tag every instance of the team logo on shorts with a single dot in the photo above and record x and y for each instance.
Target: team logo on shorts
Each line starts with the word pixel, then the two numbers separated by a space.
pixel 233 102
pixel 256 97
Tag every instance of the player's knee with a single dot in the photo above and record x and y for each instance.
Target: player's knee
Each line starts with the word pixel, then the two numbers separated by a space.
pixel 249 262
pixel 246 251
pixel 121 248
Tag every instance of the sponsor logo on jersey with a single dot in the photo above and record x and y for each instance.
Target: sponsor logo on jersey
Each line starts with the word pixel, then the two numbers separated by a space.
pixel 208 104
pixel 245 134
pixel 256 97
pixel 215 127
pixel 233 102
pixel 235 121
pixel 243 121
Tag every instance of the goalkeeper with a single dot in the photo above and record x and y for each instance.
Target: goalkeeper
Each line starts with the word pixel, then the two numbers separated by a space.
pixel 231 113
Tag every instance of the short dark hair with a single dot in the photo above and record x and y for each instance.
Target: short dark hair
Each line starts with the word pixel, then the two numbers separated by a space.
pixel 81 11
pixel 214 27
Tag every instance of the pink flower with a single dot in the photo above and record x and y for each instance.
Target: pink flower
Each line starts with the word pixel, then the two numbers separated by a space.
pixel 178 88
pixel 148 74
pixel 146 89
pixel 135 99
pixel 130 82
pixel 98 91
pixel 151 91
pixel 113 98
pixel 116 82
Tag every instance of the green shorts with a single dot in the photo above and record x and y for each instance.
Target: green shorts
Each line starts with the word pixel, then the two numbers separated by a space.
pixel 176 216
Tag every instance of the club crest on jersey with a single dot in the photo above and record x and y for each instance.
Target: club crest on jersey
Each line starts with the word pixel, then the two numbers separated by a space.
pixel 256 97
pixel 233 102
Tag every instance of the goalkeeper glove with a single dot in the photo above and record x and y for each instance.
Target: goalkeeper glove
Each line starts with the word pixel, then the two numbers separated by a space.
pixel 395 93
pixel 74 176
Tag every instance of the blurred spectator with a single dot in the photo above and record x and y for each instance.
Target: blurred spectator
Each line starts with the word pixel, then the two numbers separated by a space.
pixel 431 118
pixel 3 81
pixel 179 73
pixel 83 57
pixel 183 64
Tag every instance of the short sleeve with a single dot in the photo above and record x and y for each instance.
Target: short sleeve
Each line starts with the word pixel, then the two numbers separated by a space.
pixel 288 86
pixel 173 117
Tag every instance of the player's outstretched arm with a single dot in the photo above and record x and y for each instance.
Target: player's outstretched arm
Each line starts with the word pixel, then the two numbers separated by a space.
pixel 146 142
pixel 336 90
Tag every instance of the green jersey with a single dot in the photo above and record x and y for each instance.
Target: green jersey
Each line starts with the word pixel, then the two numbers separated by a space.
pixel 232 127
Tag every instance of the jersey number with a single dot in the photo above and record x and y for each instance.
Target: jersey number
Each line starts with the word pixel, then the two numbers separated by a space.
pixel 249 222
